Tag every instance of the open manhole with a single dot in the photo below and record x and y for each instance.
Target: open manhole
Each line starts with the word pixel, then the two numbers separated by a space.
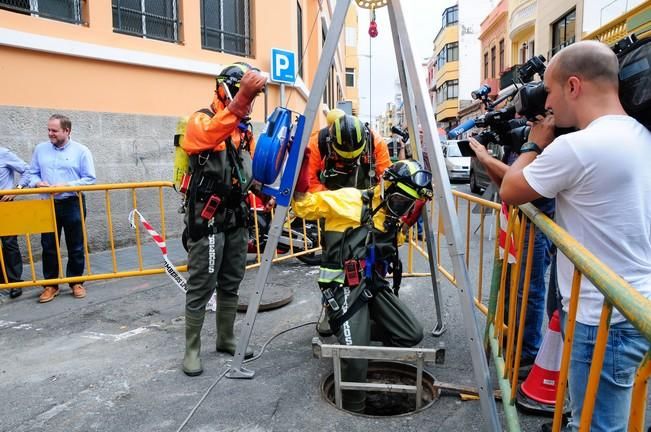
pixel 388 404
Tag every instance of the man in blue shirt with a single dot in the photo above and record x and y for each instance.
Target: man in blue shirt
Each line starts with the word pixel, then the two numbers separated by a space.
pixel 63 162
pixel 10 164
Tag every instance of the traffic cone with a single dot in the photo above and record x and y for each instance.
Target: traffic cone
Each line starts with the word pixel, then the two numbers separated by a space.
pixel 538 392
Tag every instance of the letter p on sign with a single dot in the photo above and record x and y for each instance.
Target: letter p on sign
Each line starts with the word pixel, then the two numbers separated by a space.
pixel 283 66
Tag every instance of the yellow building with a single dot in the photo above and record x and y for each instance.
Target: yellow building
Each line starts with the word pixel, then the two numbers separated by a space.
pixel 126 70
pixel 635 21
pixel 446 52
pixel 352 60
pixel 522 29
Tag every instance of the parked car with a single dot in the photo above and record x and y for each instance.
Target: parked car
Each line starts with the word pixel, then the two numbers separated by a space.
pixel 458 166
pixel 478 177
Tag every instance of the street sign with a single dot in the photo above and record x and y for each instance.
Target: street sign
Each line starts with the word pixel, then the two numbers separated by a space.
pixel 283 66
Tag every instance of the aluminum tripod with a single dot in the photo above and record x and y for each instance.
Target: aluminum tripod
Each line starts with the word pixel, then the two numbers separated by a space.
pixel 418 108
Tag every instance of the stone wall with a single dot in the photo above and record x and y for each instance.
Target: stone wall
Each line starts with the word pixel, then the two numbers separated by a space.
pixel 125 148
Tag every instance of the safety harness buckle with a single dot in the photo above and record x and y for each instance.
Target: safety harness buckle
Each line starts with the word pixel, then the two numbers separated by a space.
pixel 329 299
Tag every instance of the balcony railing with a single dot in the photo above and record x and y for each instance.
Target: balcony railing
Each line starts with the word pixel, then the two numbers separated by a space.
pixel 508 75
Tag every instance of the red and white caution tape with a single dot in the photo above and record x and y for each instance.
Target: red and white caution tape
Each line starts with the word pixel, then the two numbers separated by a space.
pixel 176 277
pixel 504 220
pixel 160 242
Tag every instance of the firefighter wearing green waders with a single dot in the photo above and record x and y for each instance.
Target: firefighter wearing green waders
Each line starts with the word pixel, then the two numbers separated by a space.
pixel 362 233
pixel 219 143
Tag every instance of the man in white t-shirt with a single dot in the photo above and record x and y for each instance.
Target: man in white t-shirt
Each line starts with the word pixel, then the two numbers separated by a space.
pixel 601 180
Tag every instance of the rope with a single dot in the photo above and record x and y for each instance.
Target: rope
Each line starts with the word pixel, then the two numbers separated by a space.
pixel 307 44
pixel 370 91
pixel 221 375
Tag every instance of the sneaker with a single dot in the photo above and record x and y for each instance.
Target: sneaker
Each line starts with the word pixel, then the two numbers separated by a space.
pixel 48 294
pixel 78 291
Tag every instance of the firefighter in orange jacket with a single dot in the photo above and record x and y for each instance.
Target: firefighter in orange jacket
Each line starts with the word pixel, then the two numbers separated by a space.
pixel 219 143
pixel 345 154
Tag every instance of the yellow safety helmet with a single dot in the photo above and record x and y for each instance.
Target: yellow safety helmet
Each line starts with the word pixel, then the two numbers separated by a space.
pixel 333 115
pixel 348 137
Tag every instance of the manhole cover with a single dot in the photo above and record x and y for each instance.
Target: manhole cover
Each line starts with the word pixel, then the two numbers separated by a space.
pixel 386 404
pixel 273 297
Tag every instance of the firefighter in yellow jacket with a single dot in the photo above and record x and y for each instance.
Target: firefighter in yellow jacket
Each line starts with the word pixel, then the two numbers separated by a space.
pixel 363 231
pixel 219 143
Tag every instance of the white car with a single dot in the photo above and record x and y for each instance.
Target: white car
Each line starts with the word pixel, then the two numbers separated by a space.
pixel 458 166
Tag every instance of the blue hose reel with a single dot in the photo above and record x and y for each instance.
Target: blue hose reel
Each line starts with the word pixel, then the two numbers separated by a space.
pixel 276 153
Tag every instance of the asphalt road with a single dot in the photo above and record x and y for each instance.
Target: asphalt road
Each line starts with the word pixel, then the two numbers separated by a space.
pixel 111 361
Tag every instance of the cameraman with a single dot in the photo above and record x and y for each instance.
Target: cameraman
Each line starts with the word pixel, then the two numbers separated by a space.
pixel 602 183
pixel 540 261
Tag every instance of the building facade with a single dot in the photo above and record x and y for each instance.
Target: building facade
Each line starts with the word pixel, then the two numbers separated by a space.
pixel 125 71
pixel 495 47
pixel 457 42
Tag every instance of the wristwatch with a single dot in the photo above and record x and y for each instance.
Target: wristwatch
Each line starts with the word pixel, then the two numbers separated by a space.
pixel 530 146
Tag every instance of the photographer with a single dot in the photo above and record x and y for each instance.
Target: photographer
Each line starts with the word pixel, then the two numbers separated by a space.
pixel 602 183
pixel 540 260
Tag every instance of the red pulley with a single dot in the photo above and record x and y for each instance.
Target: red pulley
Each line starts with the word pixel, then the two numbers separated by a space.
pixel 372 29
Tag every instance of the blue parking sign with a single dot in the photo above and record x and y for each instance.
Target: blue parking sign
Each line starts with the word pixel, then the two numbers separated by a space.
pixel 283 67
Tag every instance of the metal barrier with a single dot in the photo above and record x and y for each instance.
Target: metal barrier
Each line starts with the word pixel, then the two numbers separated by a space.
pixel 26 218
pixel 503 341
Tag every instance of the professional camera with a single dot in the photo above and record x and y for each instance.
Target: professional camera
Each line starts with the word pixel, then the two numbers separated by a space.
pixel 501 125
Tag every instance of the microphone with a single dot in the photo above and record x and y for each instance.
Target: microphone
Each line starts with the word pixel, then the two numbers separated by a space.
pixel 463 127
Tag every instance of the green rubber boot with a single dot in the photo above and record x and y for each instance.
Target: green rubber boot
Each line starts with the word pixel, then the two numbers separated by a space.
pixel 191 360
pixel 226 312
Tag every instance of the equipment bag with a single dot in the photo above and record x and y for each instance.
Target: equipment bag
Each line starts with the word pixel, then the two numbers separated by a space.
pixel 635 77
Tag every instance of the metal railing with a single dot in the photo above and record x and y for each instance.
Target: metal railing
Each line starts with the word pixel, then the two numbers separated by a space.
pixel 503 340
pixel 31 217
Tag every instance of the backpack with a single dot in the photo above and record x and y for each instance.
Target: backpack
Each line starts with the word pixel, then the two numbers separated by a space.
pixel 635 77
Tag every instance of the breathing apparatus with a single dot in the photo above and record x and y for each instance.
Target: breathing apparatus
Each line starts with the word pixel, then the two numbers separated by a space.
pixel 402 184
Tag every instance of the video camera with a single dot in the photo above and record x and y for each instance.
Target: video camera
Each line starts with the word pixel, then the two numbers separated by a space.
pixel 501 125
pixel 401 133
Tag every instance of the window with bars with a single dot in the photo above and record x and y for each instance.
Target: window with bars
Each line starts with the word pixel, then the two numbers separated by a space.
pixel 485 65
pixel 493 61
pixel 501 55
pixel 61 10
pixel 150 19
pixel 226 26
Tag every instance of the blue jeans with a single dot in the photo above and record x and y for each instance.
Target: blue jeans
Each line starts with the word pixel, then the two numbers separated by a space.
pixel 68 218
pixel 537 289
pixel 624 352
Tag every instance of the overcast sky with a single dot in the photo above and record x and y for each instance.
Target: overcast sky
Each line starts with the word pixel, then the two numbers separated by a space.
pixel 424 21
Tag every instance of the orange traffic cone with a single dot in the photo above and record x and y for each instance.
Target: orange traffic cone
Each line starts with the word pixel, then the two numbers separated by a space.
pixel 538 392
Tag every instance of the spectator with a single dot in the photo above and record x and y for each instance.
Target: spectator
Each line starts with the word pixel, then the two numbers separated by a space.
pixel 535 314
pixel 10 164
pixel 63 162
pixel 219 143
pixel 602 184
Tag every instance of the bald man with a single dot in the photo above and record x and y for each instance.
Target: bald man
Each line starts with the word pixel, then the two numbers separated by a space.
pixel 600 178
